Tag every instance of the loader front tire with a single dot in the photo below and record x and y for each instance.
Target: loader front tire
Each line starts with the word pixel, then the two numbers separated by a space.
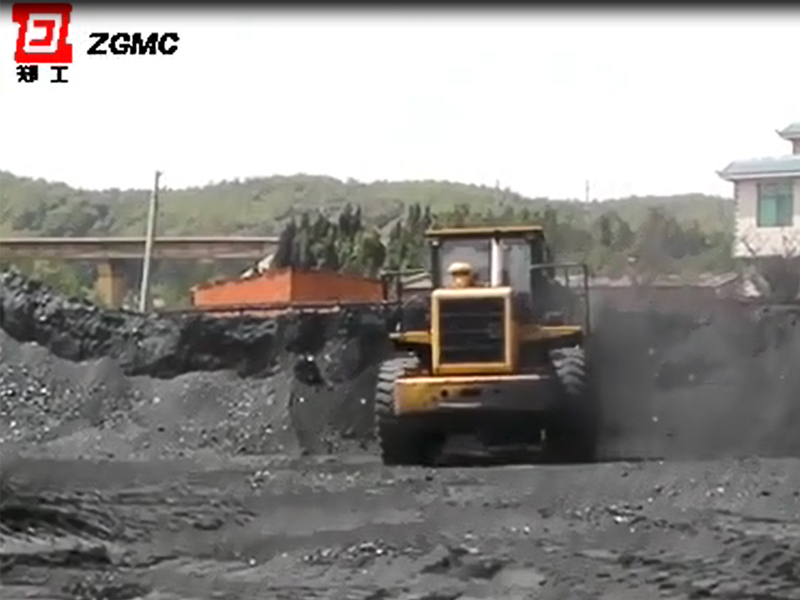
pixel 401 442
pixel 575 432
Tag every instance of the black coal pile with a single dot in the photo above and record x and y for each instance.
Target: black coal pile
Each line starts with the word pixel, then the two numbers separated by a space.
pixel 99 381
pixel 692 387
pixel 157 346
pixel 77 379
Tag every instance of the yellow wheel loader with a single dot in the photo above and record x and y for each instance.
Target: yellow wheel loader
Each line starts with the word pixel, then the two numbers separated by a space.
pixel 496 352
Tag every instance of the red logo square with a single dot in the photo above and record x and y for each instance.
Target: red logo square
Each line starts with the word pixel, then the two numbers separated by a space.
pixel 43 31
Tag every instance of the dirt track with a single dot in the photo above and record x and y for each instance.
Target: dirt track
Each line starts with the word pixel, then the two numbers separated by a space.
pixel 349 528
pixel 185 459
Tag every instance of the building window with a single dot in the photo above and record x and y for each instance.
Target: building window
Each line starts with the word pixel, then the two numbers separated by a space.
pixel 775 204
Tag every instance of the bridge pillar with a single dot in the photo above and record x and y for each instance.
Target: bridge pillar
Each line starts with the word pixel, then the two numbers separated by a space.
pixel 110 285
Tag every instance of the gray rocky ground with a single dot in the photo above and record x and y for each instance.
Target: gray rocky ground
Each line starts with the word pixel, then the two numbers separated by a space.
pixel 188 458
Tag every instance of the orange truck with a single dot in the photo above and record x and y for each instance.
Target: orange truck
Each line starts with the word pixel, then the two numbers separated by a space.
pixel 278 290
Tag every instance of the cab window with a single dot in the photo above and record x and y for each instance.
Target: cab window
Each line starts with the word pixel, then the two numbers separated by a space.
pixel 516 264
pixel 475 252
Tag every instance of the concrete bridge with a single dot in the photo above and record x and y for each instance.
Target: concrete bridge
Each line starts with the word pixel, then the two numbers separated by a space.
pixel 109 253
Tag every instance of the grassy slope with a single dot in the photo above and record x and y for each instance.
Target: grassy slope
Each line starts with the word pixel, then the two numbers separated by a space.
pixel 260 206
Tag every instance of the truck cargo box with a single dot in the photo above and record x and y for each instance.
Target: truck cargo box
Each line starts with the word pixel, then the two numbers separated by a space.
pixel 286 287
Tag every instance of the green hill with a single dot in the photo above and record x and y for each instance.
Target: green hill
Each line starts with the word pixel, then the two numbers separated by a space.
pixel 261 206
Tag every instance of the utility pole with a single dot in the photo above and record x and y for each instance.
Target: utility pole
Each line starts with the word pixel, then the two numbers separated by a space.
pixel 144 292
pixel 588 195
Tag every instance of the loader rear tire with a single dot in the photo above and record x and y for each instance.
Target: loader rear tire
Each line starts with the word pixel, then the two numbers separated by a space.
pixel 401 442
pixel 574 436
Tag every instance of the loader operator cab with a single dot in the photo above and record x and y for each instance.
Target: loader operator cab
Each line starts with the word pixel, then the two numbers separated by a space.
pixel 499 261
pixel 486 257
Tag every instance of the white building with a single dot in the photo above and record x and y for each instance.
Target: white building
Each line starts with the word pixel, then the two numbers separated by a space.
pixel 767 194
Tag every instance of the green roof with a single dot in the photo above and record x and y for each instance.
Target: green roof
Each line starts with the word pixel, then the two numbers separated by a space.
pixel 792 132
pixel 755 168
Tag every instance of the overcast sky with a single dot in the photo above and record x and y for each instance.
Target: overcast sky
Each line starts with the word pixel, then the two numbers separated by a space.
pixel 653 103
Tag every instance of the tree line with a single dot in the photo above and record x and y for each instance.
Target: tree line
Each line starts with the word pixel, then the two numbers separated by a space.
pixel 660 245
